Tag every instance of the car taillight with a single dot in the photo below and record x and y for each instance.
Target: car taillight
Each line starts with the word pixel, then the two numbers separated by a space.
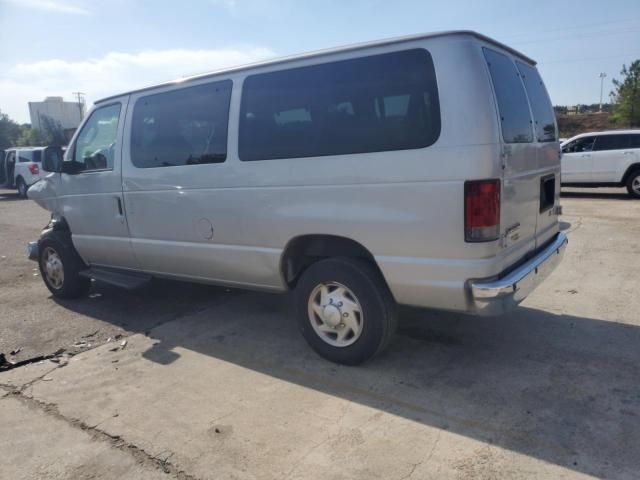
pixel 33 168
pixel 482 210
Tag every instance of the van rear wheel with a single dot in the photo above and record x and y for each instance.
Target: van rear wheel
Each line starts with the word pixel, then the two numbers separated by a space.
pixel 633 184
pixel 345 310
pixel 60 267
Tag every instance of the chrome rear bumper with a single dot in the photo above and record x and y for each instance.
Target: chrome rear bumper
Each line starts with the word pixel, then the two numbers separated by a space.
pixel 498 296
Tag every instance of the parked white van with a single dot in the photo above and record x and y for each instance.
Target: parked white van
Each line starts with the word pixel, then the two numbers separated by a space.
pixel 603 159
pixel 423 170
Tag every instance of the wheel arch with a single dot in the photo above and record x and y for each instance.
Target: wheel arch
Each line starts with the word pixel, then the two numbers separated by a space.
pixel 630 169
pixel 304 250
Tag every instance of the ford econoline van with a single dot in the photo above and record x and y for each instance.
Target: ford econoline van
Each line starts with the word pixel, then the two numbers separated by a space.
pixel 423 171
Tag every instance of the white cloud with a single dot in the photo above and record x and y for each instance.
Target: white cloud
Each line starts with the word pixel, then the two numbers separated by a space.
pixel 52 6
pixel 114 73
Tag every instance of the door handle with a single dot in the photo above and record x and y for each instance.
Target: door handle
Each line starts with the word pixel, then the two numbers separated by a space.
pixel 120 211
pixel 586 155
pixel 628 153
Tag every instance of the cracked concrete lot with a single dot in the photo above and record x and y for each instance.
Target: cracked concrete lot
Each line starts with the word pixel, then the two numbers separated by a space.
pixel 218 384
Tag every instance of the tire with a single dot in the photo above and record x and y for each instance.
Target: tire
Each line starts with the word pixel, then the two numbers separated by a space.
pixel 56 248
pixel 633 184
pixel 22 187
pixel 348 282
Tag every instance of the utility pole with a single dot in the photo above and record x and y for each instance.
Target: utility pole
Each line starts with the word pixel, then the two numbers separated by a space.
pixel 80 97
pixel 602 75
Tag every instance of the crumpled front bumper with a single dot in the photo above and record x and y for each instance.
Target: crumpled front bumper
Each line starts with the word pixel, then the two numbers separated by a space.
pixel 501 295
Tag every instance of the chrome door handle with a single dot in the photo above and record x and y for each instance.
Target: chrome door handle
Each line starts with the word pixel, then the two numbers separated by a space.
pixel 628 153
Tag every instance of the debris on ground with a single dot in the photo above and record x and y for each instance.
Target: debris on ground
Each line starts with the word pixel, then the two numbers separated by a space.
pixel 572 291
pixel 123 344
pixel 16 351
pixel 91 334
pixel 80 344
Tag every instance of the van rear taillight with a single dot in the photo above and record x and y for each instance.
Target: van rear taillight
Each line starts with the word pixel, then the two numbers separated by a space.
pixel 33 168
pixel 482 210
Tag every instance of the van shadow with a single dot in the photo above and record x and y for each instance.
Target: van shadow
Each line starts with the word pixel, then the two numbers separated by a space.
pixel 559 388
pixel 9 196
pixel 596 195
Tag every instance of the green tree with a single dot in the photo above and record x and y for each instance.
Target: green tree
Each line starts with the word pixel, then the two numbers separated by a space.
pixel 30 137
pixel 9 131
pixel 626 96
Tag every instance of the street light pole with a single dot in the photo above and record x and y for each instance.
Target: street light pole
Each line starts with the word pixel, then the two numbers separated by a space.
pixel 602 75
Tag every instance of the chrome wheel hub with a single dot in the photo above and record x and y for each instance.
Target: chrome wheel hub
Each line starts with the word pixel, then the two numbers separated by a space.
pixel 335 314
pixel 53 268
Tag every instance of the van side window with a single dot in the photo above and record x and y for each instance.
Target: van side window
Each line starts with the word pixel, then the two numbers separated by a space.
pixel 635 141
pixel 512 101
pixel 370 104
pixel 181 127
pixel 540 104
pixel 612 142
pixel 95 145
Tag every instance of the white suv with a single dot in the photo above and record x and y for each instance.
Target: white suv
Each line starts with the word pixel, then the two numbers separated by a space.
pixel 603 159
pixel 21 166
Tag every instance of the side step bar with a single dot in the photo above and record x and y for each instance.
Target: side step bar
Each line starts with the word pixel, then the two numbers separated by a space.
pixel 119 278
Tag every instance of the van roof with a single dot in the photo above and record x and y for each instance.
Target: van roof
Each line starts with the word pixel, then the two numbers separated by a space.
pixel 329 51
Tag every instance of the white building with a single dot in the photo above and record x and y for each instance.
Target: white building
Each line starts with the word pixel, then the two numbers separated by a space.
pixel 68 114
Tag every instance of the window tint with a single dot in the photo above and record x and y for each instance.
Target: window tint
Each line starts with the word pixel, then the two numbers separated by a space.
pixel 612 142
pixel 95 146
pixel 182 127
pixel 540 104
pixel 635 141
pixel 512 101
pixel 371 104
pixel 29 156
pixel 584 144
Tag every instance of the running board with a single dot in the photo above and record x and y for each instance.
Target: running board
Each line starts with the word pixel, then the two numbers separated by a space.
pixel 119 278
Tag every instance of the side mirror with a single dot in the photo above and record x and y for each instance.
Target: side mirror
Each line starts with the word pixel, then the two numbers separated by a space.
pixel 52 161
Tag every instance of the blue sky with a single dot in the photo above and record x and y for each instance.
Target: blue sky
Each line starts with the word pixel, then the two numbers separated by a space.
pixel 56 47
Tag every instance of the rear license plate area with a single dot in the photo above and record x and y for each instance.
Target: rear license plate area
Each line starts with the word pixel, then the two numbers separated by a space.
pixel 547 192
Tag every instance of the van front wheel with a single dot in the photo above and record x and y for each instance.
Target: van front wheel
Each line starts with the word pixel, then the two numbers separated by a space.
pixel 60 267
pixel 345 310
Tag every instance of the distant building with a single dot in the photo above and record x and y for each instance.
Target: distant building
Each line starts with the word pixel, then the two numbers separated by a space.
pixel 67 114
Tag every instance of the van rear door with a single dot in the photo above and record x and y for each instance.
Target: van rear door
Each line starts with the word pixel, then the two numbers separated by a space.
pixel 530 153
pixel 547 151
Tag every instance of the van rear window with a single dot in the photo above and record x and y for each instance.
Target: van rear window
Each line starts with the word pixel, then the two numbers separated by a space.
pixel 29 156
pixel 540 104
pixel 371 104
pixel 512 100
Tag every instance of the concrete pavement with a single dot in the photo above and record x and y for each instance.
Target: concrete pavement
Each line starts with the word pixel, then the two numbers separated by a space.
pixel 227 389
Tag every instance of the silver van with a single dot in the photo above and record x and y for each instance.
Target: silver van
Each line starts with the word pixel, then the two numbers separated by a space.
pixel 422 170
